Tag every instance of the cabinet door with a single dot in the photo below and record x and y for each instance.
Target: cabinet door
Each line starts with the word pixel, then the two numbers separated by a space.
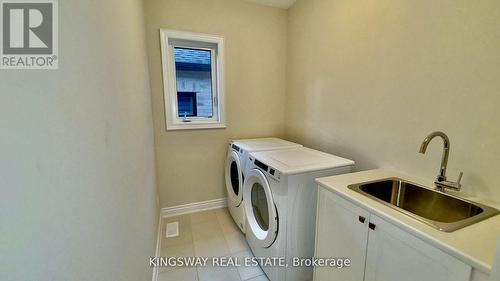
pixel 395 255
pixel 341 232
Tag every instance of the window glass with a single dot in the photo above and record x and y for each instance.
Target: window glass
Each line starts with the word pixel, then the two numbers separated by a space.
pixel 187 104
pixel 259 206
pixel 235 180
pixel 193 70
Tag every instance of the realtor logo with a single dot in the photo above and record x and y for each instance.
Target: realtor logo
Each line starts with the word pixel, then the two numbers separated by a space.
pixel 29 34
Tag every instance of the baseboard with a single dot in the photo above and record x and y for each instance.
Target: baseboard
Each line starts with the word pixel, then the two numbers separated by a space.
pixel 193 207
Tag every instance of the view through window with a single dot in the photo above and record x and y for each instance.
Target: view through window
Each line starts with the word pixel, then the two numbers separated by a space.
pixel 193 70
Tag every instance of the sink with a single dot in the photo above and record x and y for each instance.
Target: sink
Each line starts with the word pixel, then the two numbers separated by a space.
pixel 440 210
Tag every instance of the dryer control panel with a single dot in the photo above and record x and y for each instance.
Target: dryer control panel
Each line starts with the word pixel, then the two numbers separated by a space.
pixel 270 171
pixel 238 149
pixel 235 147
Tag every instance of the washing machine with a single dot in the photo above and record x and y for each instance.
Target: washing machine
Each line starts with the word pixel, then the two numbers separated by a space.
pixel 280 195
pixel 237 158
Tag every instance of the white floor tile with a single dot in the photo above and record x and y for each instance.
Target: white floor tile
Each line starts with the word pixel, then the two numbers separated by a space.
pixel 181 274
pixel 226 221
pixel 180 219
pixel 206 230
pixel 236 242
pixel 247 272
pixel 182 250
pixel 206 216
pixel 223 213
pixel 259 278
pixel 211 247
pixel 185 232
pixel 218 274
pixel 207 234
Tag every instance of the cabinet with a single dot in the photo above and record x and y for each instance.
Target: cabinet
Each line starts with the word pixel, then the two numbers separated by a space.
pixel 341 232
pixel 379 251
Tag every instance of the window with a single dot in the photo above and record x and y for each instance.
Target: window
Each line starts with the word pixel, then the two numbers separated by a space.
pixel 186 102
pixel 192 80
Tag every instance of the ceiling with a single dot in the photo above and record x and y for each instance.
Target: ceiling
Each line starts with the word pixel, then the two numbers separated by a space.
pixel 285 4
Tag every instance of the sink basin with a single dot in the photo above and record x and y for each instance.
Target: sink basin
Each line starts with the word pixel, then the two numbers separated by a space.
pixel 437 209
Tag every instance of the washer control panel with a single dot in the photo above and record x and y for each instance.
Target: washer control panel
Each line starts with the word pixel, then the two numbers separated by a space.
pixel 268 170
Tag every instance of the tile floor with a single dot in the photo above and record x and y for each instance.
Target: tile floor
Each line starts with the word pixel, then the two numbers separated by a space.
pixel 207 234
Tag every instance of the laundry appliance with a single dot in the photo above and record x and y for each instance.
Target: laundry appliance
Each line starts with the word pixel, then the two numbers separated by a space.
pixel 279 196
pixel 237 158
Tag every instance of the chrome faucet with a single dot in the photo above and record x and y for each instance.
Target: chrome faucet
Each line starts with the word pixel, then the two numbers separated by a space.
pixel 441 182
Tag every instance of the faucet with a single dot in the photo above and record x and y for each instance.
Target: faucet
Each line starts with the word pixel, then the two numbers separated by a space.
pixel 441 181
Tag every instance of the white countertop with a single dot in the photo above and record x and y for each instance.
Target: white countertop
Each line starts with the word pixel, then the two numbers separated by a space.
pixel 475 245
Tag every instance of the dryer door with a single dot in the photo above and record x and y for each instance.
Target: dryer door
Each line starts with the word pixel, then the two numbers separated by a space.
pixel 234 179
pixel 260 210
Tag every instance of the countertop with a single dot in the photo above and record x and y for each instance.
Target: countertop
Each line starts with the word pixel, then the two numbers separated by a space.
pixel 474 245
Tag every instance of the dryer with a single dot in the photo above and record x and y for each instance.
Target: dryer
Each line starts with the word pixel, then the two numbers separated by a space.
pixel 280 195
pixel 237 158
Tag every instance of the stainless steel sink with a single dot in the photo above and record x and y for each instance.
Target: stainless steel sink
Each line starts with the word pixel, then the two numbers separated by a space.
pixel 437 209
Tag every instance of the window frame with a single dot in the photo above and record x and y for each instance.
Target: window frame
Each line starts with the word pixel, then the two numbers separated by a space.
pixel 196 41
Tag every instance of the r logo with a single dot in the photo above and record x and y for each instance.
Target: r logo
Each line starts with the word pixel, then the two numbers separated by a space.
pixel 27 28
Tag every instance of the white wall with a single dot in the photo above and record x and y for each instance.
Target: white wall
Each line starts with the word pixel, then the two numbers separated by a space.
pixel 368 80
pixel 190 164
pixel 77 176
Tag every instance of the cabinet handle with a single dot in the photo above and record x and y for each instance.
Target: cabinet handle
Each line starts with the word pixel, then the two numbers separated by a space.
pixel 372 226
pixel 362 219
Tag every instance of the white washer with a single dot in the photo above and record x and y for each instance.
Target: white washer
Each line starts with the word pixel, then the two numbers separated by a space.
pixel 237 156
pixel 280 195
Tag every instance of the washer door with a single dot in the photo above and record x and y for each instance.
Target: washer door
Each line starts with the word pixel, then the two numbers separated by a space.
pixel 234 179
pixel 260 210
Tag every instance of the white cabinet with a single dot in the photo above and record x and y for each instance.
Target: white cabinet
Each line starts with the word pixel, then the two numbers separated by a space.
pixel 394 254
pixel 379 251
pixel 341 231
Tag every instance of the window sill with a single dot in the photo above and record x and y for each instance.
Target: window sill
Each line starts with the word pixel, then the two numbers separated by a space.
pixel 195 126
